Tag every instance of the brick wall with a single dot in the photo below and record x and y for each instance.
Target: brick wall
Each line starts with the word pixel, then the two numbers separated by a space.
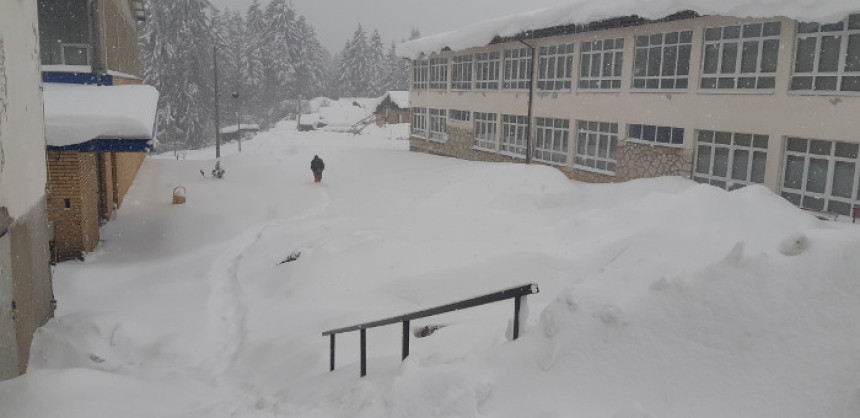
pixel 122 81
pixel 73 203
pixel 107 189
pixel 126 164
pixel 634 160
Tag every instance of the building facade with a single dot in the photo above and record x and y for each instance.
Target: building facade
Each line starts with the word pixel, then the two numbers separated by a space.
pixel 722 100
pixel 89 43
pixel 26 296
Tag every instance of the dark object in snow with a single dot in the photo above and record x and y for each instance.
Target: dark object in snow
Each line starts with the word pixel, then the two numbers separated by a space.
pixel 218 172
pixel 292 257
pixel 317 166
pixel 426 330
pixel 202 173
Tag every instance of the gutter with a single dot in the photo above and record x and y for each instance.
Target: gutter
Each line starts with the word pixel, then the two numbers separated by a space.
pixel 531 100
pixel 98 65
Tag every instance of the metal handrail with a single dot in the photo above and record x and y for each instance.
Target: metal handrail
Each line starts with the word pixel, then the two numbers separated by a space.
pixel 516 293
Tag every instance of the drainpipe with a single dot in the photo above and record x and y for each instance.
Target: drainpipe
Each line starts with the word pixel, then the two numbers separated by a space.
pixel 531 99
pixel 98 65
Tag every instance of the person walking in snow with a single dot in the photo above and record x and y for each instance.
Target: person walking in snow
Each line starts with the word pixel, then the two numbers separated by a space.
pixel 317 166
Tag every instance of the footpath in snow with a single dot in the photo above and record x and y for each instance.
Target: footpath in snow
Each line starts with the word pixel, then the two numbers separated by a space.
pixel 659 298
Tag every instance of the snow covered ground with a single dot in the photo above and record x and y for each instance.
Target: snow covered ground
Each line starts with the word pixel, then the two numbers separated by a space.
pixel 659 298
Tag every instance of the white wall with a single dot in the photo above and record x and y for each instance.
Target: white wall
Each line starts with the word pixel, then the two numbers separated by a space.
pixel 778 115
pixel 22 128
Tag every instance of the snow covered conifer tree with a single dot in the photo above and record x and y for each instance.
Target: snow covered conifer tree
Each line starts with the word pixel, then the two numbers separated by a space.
pixel 376 63
pixel 177 60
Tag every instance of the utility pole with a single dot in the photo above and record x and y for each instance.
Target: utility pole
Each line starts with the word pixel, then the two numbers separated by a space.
pixel 217 111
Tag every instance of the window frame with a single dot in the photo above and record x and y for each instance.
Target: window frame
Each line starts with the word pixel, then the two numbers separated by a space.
pixel 438 74
pixel 737 74
pixel 488 70
pixel 437 118
pixel 605 83
pixel 454 115
pixel 587 130
pixel 514 145
pixel 674 132
pixel 420 74
pixel 489 121
pixel 827 196
pixel 517 70
pixel 846 34
pixel 419 126
pixel 684 39
pixel 462 72
pixel 549 59
pixel 547 128
pixel 729 182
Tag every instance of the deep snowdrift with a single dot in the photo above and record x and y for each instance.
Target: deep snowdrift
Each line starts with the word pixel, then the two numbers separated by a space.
pixel 659 298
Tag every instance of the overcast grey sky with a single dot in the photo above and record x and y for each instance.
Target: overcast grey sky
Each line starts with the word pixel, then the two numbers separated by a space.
pixel 336 20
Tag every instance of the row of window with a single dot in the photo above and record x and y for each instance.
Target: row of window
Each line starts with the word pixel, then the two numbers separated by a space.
pixel 818 174
pixel 738 57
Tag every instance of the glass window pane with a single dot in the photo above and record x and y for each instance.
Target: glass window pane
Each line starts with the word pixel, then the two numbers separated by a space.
pixel 649 133
pixel 731 32
pixel 752 30
pixel 852 60
pixel 759 164
pixel 820 147
pixel 749 57
pixel 721 162
pixel 664 134
pixel 724 138
pixel 793 172
pixel 850 84
pixel 703 159
pixel 670 60
pixel 654 61
pixel 712 57
pixel 760 141
pixel 805 57
pixel 729 58
pixel 814 203
pixel 825 83
pixel 740 164
pixel 678 135
pixel 843 179
pixel 828 59
pixel 706 136
pixel 743 139
pixel 816 175
pixel 797 145
pixel 841 208
pixel 769 53
pixel 683 60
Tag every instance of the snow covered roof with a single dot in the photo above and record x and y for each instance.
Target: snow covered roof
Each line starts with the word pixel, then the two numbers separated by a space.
pixel 75 114
pixel 400 98
pixel 585 11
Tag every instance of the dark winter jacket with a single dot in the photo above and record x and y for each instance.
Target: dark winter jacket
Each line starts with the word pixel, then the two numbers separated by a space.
pixel 317 164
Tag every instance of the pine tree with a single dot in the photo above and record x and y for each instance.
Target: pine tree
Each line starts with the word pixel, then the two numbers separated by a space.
pixel 376 62
pixel 177 57
pixel 396 71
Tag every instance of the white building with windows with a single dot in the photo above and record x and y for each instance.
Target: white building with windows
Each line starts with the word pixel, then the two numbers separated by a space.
pixel 722 100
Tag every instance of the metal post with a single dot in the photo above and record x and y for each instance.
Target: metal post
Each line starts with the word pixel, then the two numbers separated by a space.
pixel 405 340
pixel 529 144
pixel 363 352
pixel 517 317
pixel 331 355
pixel 217 111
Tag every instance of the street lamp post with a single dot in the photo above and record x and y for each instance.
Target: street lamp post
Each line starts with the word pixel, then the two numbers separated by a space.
pixel 237 105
